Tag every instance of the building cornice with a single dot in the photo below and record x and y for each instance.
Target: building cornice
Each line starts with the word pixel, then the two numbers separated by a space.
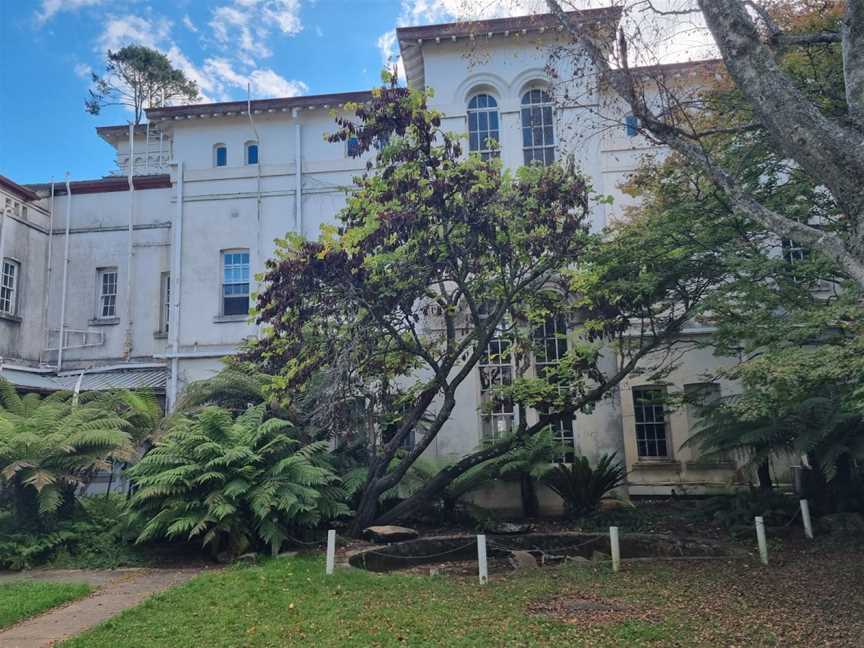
pixel 13 187
pixel 105 185
pixel 259 106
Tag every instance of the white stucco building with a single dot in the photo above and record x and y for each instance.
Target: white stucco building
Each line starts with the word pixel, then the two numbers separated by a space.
pixel 143 277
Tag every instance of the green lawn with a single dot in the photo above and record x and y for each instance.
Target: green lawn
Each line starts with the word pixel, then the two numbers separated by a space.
pixel 24 599
pixel 806 601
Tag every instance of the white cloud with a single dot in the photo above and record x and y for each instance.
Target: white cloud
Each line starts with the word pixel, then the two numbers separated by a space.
pixel 387 46
pixel 83 70
pixel 187 22
pixel 49 8
pixel 266 83
pixel 120 31
pixel 247 24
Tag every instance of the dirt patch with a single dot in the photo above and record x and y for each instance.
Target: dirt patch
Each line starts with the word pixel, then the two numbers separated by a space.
pixel 584 608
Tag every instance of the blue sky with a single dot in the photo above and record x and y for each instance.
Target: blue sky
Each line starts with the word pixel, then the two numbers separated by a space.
pixel 281 47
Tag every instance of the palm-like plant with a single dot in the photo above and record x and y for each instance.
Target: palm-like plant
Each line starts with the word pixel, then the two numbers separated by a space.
pixel 234 483
pixel 529 462
pixel 581 486
pixel 50 445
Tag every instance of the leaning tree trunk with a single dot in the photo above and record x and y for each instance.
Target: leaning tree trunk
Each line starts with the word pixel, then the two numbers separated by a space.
pixel 528 490
pixel 763 472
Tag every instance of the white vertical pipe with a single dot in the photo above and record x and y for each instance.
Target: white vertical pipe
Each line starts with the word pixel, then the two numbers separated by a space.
pixel 760 538
pixel 482 564
pixel 805 515
pixel 130 253
pixel 62 331
pixel 615 548
pixel 298 177
pixel 49 271
pixel 331 552
pixel 175 278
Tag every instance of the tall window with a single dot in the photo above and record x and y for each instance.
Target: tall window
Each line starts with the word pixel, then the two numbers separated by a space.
pixel 164 302
pixel 251 152
pixel 9 287
pixel 652 439
pixel 550 344
pixel 220 155
pixel 538 137
pixel 496 371
pixel 106 280
pixel 483 126
pixel 352 147
pixel 235 282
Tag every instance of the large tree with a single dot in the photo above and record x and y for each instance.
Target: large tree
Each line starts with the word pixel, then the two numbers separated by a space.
pixel 138 77
pixel 751 36
pixel 441 264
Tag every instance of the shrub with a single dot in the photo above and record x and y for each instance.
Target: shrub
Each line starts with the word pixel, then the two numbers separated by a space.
pixel 581 487
pixel 50 446
pixel 234 483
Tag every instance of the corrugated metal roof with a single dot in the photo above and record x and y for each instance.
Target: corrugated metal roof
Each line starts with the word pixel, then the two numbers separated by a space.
pixel 29 379
pixel 151 378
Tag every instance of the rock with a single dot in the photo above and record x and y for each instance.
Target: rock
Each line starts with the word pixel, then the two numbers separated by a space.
pixel 842 523
pixel 390 533
pixel 599 556
pixel 520 560
pixel 509 528
pixel 247 558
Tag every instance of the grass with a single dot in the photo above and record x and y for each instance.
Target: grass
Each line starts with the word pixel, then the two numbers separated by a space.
pixel 20 600
pixel 289 602
pixel 809 596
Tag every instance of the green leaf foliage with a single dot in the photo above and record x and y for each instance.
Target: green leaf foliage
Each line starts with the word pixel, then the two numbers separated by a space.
pixel 581 486
pixel 234 483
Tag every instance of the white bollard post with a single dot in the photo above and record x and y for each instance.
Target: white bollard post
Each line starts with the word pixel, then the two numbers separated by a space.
pixel 482 566
pixel 805 515
pixel 616 548
pixel 760 538
pixel 331 551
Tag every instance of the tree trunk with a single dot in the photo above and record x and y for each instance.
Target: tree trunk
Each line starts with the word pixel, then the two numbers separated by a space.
pixel 763 472
pixel 528 490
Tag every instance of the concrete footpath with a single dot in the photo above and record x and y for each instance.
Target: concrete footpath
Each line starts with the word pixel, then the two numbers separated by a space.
pixel 114 591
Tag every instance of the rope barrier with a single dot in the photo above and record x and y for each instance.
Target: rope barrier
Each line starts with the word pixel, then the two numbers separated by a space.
pixel 408 556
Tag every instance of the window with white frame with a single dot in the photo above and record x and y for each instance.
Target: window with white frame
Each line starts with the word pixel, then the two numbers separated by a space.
pixel 220 155
pixel 483 127
pixel 9 287
pixel 251 152
pixel 106 282
pixel 652 434
pixel 538 133
pixel 164 302
pixel 235 282
pixel 550 347
pixel 496 372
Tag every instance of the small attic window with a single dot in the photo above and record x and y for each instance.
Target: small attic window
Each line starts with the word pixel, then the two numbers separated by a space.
pixel 220 155
pixel 631 123
pixel 352 147
pixel 251 152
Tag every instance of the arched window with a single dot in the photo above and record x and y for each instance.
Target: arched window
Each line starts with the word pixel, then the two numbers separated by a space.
pixel 251 152
pixel 220 155
pixel 538 136
pixel 483 126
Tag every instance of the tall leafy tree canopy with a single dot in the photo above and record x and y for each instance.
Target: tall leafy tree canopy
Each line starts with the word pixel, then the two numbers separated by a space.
pixel 437 255
pixel 138 77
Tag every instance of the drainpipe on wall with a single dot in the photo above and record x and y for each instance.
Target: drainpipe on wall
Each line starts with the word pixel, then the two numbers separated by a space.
pixel 48 271
pixel 174 319
pixel 62 330
pixel 298 175
pixel 2 240
pixel 130 254
pixel 258 243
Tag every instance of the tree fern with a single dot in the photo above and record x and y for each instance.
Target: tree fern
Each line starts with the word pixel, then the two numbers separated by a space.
pixel 233 482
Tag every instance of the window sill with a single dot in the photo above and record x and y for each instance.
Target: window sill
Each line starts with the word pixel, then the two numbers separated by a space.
pixel 160 335
pixel 104 321
pixel 10 318
pixel 646 463
pixel 710 465
pixel 228 319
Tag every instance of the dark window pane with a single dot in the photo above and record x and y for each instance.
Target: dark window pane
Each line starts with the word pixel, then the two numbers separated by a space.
pixel 236 305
